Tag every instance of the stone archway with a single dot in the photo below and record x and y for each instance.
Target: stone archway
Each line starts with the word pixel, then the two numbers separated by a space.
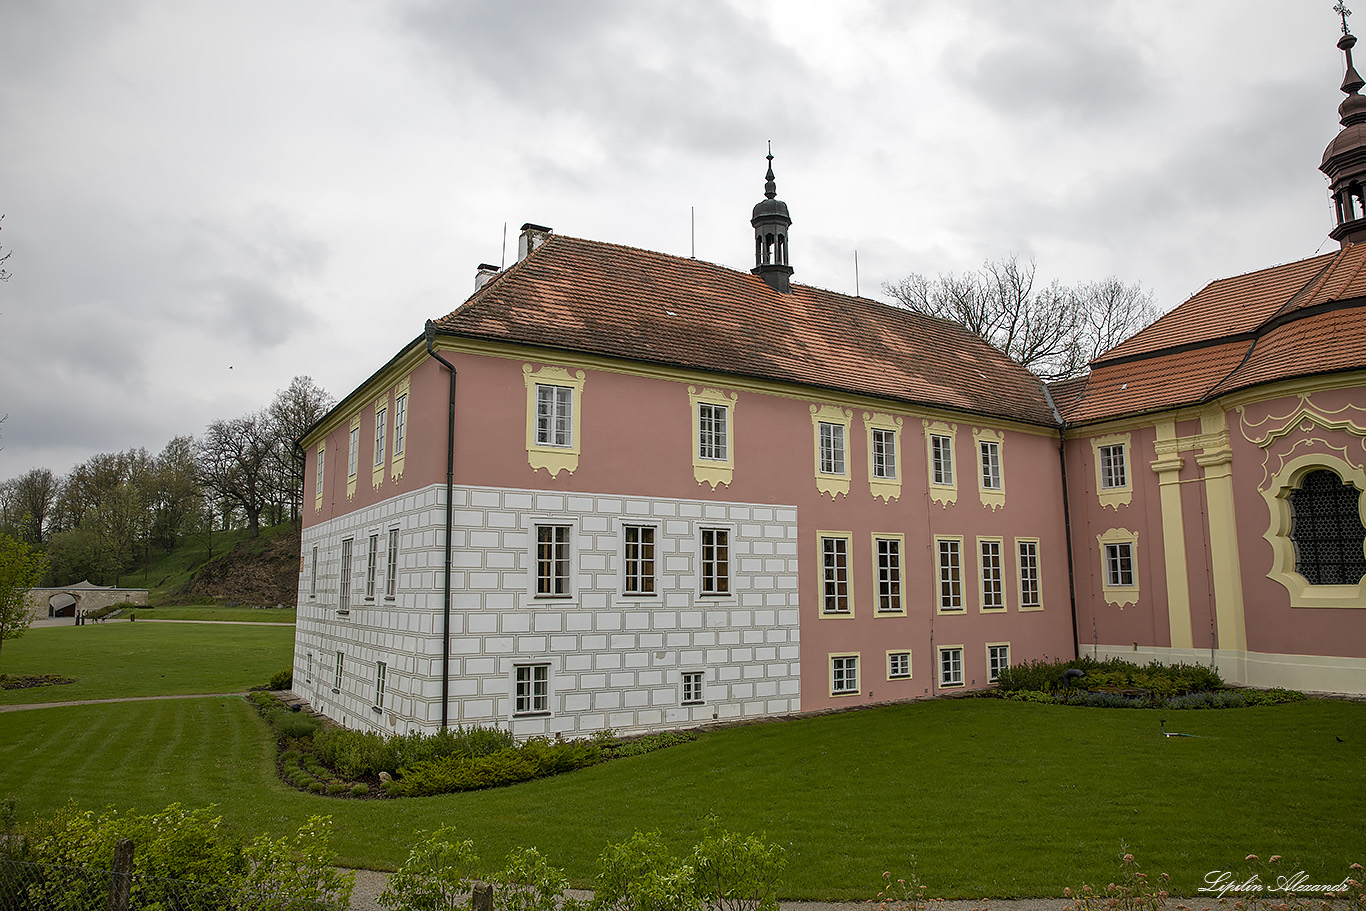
pixel 62 604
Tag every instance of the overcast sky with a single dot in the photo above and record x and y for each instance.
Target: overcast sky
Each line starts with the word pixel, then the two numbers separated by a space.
pixel 205 199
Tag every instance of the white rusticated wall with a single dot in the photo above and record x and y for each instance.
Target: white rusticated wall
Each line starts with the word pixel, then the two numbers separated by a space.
pixel 615 662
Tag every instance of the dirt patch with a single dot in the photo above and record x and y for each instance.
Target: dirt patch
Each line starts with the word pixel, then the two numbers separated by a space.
pixel 259 573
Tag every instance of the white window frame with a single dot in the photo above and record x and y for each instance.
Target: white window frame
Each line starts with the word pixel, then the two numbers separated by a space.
pixel 899 665
pixel 950 666
pixel 989 458
pixel 381 434
pixel 941 460
pixel 883 449
pixel 531 689
pixel 693 688
pixel 714 562
pixel 313 574
pixel 558 586
pixel 713 431
pixel 391 566
pixel 948 576
pixel 1030 574
pixel 308 668
pixel 991 575
pixel 1113 466
pixel 337 672
pixel 998 659
pixel 400 423
pixel 353 451
pixel 371 566
pixel 833 450
pixel 890 575
pixel 639 560
pixel 835 549
pixel 344 577
pixel 554 415
pixel 1119 560
pixel 381 673
pixel 844 674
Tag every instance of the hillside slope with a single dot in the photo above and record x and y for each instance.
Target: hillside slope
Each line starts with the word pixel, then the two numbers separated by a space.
pixel 261 573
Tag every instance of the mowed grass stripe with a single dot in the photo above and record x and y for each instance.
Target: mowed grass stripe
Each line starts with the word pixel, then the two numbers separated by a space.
pixel 111 660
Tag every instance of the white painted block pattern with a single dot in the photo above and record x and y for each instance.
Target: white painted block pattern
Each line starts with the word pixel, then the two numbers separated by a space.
pixel 613 660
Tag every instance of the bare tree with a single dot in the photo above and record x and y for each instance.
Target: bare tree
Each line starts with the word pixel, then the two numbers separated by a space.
pixel 4 273
pixel 235 459
pixel 295 409
pixel 31 499
pixel 1054 330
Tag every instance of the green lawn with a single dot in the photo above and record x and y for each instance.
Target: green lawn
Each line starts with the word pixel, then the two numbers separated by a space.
pixel 115 659
pixel 996 799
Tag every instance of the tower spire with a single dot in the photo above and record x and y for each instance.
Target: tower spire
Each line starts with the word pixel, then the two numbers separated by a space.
pixel 771 221
pixel 1344 161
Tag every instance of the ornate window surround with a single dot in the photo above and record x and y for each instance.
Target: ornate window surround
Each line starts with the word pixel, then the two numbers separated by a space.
pixel 1277 497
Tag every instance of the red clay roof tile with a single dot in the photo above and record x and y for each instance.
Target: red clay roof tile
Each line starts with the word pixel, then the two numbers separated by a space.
pixel 625 302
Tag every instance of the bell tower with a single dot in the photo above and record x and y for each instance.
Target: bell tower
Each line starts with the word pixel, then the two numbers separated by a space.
pixel 1344 161
pixel 771 221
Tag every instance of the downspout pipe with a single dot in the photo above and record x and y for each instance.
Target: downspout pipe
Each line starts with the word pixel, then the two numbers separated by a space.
pixel 1066 517
pixel 450 521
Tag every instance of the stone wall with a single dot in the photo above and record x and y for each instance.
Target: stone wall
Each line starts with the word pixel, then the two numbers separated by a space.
pixel 87 599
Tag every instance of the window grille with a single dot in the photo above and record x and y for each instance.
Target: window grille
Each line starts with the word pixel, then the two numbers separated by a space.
pixel 1327 531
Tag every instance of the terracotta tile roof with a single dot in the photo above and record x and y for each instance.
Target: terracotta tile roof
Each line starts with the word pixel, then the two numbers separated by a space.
pixel 1299 319
pixel 606 299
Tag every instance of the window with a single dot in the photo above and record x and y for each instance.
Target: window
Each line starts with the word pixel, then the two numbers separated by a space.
pixel 1118 569
pixel 381 428
pixel 554 415
pixel 313 577
pixel 1030 596
pixel 884 453
pixel 1119 564
pixel 951 666
pixel 998 659
pixel 344 587
pixel 692 687
pixel 552 561
pixel 381 670
pixel 993 589
pixel 990 452
pixel 639 563
pixel 308 669
pixel 1325 526
pixel 337 674
pixel 941 459
pixel 391 571
pixel 843 675
pixel 898 665
pixel 950 574
pixel 318 476
pixel 832 448
pixel 532 696
pixel 400 423
pixel 715 561
pixel 835 575
pixel 888 575
pixel 371 567
pixel 1113 472
pixel 712 439
pixel 353 451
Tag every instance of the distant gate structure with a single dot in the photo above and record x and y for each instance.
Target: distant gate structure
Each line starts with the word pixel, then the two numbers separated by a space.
pixel 67 600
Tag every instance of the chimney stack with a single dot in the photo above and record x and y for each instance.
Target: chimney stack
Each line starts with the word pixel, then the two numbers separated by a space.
pixel 483 275
pixel 532 237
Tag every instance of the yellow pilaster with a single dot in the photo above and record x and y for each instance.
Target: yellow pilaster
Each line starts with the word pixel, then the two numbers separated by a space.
pixel 1168 465
pixel 1217 462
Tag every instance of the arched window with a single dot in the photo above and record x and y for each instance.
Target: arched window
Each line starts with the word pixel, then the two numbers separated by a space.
pixel 1326 530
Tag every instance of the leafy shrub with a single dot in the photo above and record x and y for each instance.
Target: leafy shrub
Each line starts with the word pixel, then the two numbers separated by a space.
pixel 281 680
pixel 436 875
pixel 296 724
pixel 638 746
pixel 529 883
pixel 641 875
pixel 359 789
pixel 736 872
